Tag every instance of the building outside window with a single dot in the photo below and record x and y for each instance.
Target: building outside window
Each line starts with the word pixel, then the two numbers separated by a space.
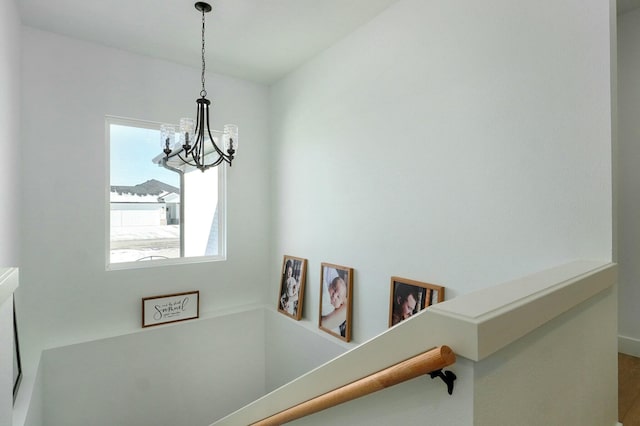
pixel 159 213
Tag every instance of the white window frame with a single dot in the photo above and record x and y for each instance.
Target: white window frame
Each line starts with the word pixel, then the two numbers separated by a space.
pixel 222 206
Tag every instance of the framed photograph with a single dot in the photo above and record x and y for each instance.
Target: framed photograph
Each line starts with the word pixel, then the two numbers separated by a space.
pixel 168 308
pixel 408 297
pixel 292 280
pixel 17 365
pixel 336 300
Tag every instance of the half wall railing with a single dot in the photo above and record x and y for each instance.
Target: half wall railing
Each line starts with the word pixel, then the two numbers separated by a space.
pixel 477 325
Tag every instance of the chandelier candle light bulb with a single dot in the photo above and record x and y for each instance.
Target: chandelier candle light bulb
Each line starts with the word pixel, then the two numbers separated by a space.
pixel 167 138
pixel 196 146
pixel 230 138
pixel 186 132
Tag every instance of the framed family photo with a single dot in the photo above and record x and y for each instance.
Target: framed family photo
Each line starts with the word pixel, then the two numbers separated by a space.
pixel 408 297
pixel 292 281
pixel 336 300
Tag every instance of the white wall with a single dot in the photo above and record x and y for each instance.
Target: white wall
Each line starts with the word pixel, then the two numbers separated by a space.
pixel 292 350
pixel 563 373
pixel 29 409
pixel 457 143
pixel 68 87
pixel 187 374
pixel 191 373
pixel 9 132
pixel 629 177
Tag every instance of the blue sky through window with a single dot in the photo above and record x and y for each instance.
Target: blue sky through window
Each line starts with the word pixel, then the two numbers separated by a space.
pixel 132 149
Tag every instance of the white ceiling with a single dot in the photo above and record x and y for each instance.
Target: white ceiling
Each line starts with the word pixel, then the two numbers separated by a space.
pixel 258 40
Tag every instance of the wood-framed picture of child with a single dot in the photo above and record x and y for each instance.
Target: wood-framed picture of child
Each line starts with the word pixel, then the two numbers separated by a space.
pixel 408 297
pixel 291 295
pixel 336 300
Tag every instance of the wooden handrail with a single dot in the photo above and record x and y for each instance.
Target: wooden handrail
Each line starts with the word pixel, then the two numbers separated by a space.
pixel 429 361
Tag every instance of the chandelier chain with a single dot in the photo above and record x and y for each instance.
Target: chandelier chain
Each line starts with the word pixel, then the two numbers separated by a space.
pixel 199 149
pixel 203 92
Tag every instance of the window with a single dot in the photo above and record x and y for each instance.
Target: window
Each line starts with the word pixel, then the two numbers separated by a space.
pixel 159 213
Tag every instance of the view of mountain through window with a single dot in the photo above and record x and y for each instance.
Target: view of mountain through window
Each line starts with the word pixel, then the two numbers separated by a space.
pixel 144 198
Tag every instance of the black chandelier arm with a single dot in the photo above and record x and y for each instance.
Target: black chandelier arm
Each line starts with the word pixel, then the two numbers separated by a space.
pixel 203 104
pixel 221 155
pixel 213 143
pixel 203 166
pixel 194 152
pixel 197 133
pixel 197 164
pixel 219 161
pixel 193 163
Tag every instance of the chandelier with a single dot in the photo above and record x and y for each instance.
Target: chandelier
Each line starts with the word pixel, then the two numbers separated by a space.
pixel 195 146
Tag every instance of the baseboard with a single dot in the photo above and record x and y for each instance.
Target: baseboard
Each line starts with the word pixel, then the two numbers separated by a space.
pixel 629 346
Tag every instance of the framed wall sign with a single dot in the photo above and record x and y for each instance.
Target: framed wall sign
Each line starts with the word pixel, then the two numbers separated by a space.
pixel 168 308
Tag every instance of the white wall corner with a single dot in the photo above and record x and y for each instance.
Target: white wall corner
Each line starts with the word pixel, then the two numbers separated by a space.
pixel 629 345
